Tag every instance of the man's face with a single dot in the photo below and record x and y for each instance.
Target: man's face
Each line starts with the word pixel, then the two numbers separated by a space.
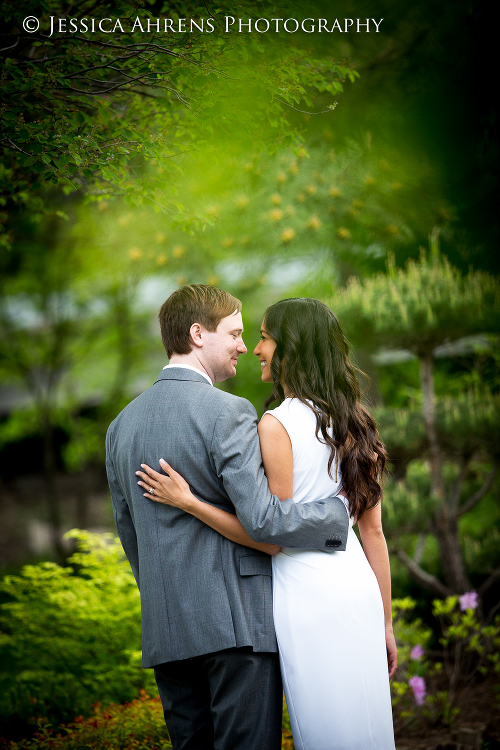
pixel 222 348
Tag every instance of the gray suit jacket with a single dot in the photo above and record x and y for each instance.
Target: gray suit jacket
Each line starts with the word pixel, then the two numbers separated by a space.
pixel 200 592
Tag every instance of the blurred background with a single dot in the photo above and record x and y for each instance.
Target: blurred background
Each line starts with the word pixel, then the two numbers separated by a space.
pixel 358 168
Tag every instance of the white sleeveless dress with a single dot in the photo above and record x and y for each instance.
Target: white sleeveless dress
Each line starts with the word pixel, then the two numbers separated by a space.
pixel 329 620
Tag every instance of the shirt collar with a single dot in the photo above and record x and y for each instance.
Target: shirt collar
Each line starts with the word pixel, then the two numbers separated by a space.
pixel 190 367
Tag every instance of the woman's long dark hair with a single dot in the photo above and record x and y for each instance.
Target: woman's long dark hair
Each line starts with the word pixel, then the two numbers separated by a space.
pixel 311 358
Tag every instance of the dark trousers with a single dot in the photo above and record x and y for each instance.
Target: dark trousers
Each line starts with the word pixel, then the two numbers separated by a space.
pixel 227 700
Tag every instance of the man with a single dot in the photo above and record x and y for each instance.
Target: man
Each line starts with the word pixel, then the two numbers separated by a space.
pixel 206 601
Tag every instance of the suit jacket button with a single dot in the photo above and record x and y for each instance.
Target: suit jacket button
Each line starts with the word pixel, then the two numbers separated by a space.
pixel 333 543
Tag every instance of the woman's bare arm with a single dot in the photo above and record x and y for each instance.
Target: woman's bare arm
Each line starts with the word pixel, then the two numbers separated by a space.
pixel 174 490
pixel 277 457
pixel 375 547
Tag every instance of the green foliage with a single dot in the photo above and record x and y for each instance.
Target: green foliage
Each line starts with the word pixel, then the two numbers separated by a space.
pixel 70 640
pixel 470 648
pixel 470 422
pixel 419 307
pixel 467 422
pixel 71 636
pixel 138 725
pixel 89 110
pixel 469 645
pixel 422 308
pixel 408 632
pixel 287 740
pixel 408 504
pixel 71 332
pixel 330 210
pixel 413 638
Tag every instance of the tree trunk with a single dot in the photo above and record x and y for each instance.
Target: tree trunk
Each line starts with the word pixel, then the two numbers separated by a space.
pixel 450 551
pixel 445 518
pixel 82 500
pixel 51 490
pixel 429 410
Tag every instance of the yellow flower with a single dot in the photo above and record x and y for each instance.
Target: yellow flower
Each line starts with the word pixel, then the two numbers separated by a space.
pixel 227 242
pixel 242 201
pixel 160 237
pixel 392 229
pixel 161 259
pixel 212 281
pixel 356 204
pixel 135 253
pixel 287 235
pixel 281 177
pixel 334 192
pixel 369 180
pixel 181 280
pixel 311 189
pixel 293 168
pixel 301 197
pixel 276 199
pixel 276 214
pixel 301 153
pixel 178 251
pixel 314 222
pixel 343 233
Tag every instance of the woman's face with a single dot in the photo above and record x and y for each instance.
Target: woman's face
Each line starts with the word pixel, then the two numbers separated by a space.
pixel 264 351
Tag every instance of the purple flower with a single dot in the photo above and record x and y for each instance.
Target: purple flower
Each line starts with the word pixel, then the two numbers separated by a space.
pixel 417 652
pixel 417 684
pixel 468 600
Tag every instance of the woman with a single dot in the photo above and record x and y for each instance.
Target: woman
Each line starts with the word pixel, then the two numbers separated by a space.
pixel 332 610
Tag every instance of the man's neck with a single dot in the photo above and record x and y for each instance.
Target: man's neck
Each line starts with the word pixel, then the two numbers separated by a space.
pixel 192 361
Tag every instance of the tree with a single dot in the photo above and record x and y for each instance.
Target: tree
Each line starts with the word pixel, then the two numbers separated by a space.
pixel 418 309
pixel 88 111
pixel 70 332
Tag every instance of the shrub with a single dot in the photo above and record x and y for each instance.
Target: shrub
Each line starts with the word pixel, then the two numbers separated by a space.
pixel 138 725
pixel 428 690
pixel 71 637
pixel 469 645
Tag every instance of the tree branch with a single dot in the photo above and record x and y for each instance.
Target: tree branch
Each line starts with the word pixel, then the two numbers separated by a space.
pixel 12 46
pixel 489 582
pixel 142 47
pixel 419 550
pixel 13 146
pixel 323 112
pixel 426 580
pixel 477 496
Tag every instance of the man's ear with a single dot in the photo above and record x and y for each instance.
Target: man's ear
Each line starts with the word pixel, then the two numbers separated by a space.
pixel 196 334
